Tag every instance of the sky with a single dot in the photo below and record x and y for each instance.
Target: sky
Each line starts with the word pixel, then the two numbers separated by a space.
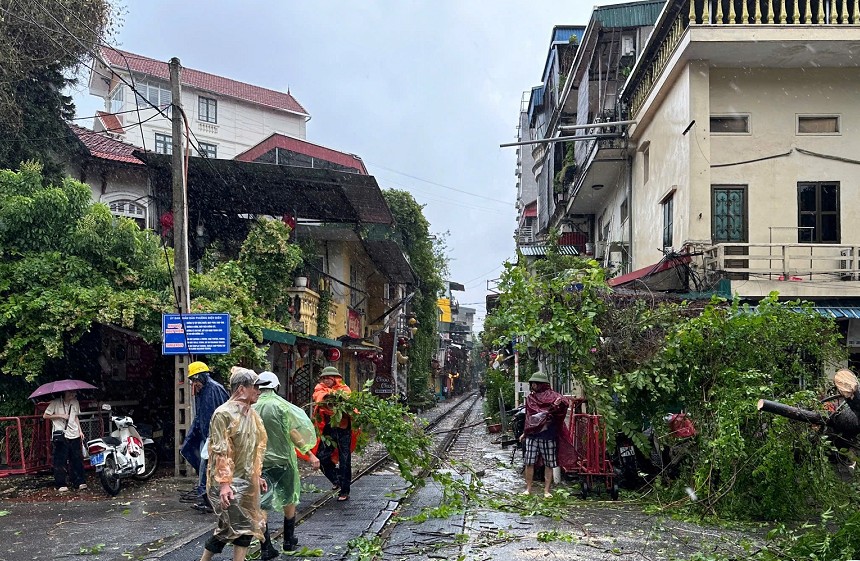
pixel 424 92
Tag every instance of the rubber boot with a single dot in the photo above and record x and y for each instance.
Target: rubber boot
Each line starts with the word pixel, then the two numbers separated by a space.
pixel 290 540
pixel 267 550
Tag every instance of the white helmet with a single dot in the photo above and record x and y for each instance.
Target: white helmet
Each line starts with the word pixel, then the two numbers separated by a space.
pixel 268 381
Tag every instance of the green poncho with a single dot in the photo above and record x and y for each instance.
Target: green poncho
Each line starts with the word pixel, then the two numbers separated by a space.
pixel 287 428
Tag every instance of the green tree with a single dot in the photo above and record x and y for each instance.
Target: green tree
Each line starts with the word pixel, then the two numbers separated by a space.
pixel 42 44
pixel 429 263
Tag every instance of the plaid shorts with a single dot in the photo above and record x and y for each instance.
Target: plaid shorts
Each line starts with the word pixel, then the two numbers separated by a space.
pixel 547 448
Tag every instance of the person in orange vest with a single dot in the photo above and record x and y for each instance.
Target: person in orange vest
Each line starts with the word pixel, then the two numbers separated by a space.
pixel 334 436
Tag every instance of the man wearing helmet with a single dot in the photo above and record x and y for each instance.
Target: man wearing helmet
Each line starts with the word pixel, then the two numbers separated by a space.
pixel 208 396
pixel 288 429
pixel 338 436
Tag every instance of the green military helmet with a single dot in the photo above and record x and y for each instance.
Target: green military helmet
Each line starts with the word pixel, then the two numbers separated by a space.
pixel 539 377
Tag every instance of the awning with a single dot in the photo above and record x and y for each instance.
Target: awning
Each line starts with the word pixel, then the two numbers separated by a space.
pixel 659 276
pixel 287 338
pixel 543 250
pixel 319 341
pixel 274 336
pixel 359 345
pixel 530 211
pixel 230 186
pixel 839 312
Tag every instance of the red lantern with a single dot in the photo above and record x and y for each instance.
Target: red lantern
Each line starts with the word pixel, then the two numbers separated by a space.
pixel 333 354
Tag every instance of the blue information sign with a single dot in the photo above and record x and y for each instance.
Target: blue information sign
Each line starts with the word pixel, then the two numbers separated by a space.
pixel 195 334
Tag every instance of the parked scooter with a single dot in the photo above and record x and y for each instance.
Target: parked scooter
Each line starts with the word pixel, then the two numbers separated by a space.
pixel 121 455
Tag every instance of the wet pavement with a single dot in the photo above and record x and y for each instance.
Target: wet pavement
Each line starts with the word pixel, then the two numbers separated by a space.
pixel 147 521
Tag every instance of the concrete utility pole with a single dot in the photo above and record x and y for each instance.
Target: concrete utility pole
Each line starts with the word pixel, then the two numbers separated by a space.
pixel 182 389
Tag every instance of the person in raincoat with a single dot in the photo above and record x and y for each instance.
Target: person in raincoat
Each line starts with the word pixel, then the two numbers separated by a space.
pixel 336 436
pixel 237 443
pixel 287 428
pixel 208 396
pixel 545 411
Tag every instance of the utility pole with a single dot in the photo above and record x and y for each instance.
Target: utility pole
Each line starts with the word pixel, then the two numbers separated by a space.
pixel 182 389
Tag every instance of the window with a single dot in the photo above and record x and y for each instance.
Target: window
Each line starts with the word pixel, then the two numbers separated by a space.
pixel 818 213
pixel 208 150
pixel 154 94
pixel 207 109
pixel 667 220
pixel 730 124
pixel 129 209
pixel 625 210
pixel 116 99
pixel 163 143
pixel 818 124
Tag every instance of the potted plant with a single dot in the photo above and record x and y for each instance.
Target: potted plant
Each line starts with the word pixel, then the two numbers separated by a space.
pixel 565 175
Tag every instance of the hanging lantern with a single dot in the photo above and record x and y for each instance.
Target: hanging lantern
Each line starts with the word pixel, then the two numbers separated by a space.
pixel 412 321
pixel 333 354
pixel 413 331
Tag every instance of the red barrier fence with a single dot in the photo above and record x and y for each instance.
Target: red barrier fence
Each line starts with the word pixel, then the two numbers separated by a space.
pixel 582 448
pixel 25 442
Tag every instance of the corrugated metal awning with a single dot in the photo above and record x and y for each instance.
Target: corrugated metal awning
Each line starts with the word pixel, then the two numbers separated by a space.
pixel 852 312
pixel 542 250
pixel 634 14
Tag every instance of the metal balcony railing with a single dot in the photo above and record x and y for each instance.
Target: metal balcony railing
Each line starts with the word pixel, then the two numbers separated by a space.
pixel 785 261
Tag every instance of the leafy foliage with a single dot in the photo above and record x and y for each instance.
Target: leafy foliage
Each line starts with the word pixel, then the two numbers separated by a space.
pixel 40 58
pixel 430 266
pixel 268 260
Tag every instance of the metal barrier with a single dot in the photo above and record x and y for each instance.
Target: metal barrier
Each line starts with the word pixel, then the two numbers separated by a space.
pixel 582 449
pixel 25 441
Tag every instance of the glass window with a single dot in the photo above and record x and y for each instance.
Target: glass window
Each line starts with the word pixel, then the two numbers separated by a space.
pixel 163 143
pixel 646 164
pixel 624 210
pixel 818 124
pixel 818 213
pixel 153 94
pixel 208 150
pixel 730 124
pixel 667 221
pixel 207 109
pixel 116 99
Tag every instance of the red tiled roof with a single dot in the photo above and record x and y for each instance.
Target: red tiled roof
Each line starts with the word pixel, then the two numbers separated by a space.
pixel 110 122
pixel 300 146
pixel 104 147
pixel 645 272
pixel 204 81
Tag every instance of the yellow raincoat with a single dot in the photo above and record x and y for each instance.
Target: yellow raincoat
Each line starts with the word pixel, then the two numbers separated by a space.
pixel 237 443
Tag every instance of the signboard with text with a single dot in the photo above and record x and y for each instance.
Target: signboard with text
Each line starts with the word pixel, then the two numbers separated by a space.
pixel 195 334
pixel 353 324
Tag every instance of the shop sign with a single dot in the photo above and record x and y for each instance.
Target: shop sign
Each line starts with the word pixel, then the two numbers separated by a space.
pixel 383 385
pixel 353 324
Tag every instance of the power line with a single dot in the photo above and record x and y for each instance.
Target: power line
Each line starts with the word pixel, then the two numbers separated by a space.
pixel 440 184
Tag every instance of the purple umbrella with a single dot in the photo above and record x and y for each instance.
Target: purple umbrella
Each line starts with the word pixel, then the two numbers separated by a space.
pixel 61 386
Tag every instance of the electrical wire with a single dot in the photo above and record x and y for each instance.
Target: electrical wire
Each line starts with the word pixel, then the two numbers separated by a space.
pixel 438 184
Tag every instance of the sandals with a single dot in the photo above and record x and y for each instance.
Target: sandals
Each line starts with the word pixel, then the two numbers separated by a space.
pixel 342 498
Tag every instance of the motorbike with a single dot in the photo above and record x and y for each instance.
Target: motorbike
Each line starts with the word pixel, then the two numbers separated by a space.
pixel 123 454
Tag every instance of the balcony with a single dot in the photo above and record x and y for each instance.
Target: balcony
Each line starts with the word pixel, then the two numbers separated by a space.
pixel 793 270
pixel 305 304
pixel 745 33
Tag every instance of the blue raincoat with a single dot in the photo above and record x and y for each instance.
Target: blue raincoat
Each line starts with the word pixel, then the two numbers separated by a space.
pixel 210 397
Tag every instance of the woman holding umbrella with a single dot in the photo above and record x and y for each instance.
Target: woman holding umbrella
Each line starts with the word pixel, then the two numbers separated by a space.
pixel 63 413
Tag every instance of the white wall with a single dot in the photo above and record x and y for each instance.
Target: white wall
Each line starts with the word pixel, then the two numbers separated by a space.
pixel 240 126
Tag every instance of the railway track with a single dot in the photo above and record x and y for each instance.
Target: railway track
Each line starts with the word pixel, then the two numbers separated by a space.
pixel 438 426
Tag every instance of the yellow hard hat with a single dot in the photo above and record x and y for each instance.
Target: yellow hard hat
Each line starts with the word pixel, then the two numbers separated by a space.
pixel 196 368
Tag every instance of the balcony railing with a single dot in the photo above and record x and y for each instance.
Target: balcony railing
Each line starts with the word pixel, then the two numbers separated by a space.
pixel 305 307
pixel 784 262
pixel 683 13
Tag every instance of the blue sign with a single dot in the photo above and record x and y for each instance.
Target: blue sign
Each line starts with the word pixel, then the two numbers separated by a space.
pixel 207 334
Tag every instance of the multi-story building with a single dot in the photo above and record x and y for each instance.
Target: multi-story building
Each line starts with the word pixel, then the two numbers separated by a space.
pixel 569 152
pixel 731 156
pixel 227 117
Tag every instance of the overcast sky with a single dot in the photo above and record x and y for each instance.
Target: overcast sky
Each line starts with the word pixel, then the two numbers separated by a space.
pixel 424 92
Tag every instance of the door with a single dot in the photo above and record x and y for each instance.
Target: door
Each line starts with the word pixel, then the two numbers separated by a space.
pixel 729 224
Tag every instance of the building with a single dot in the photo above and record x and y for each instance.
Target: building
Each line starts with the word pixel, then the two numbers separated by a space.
pixel 227 117
pixel 115 175
pixel 729 161
pixel 580 87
